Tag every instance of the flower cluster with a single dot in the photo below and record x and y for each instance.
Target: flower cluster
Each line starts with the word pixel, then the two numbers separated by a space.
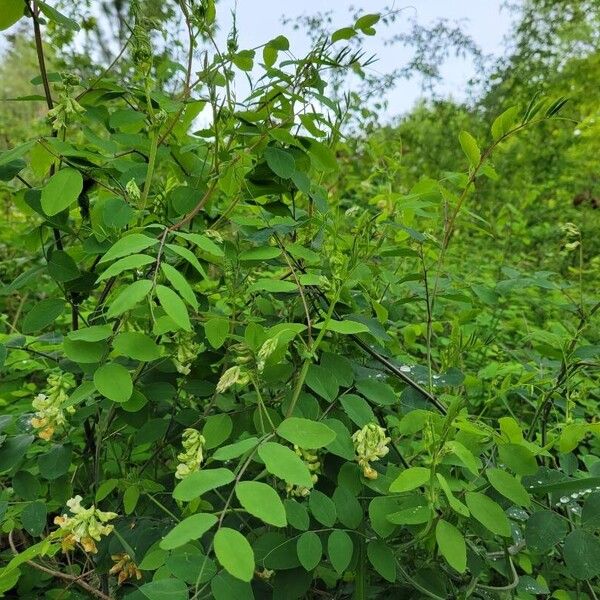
pixel 265 351
pixel 232 376
pixel 311 460
pixel 132 191
pixel 67 106
pixel 85 527
pixel 192 456
pixel 125 567
pixel 49 407
pixel 370 444
pixel 572 237
pixel 186 352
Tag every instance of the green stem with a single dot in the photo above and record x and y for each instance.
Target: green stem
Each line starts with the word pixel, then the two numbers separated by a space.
pixel 308 361
pixel 150 171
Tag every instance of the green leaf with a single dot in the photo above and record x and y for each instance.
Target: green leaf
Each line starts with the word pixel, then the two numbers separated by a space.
pixel 451 543
pixel 261 501
pixel 12 11
pixel 26 485
pixel 545 529
pixel 200 482
pixel 348 508
pixel 62 267
pixel 322 157
pixel 305 433
pixel 84 352
pixel 274 286
pixel 95 333
pixel 411 516
pixel 455 504
pixel 470 148
pixel 323 382
pixel 55 463
pixel 130 244
pixel 105 488
pixel 343 327
pixel 137 345
pixel 285 464
pixel 582 554
pixel 57 17
pixel 508 486
pixel 358 409
pixel 518 458
pixel 502 124
pixel 17 151
pixel 129 296
pixel 339 550
pixel 174 307
pixel 130 499
pixel 180 283
pixel 488 513
pixel 282 163
pixel 34 517
pixel 366 22
pixel 114 382
pixel 260 254
pixel 235 450
pixel 409 479
pixel 322 508
pixel 382 558
pixel 345 33
pixel 225 587
pixel 590 515
pixel 235 553
pixel 62 189
pixel 216 331
pixel 125 264
pixel 269 55
pixel 244 60
pixel 189 256
pixel 203 242
pixel 377 391
pixel 13 449
pixel 191 528
pixel 309 550
pixel 466 456
pixel 217 428
pixel 43 314
pixel 165 589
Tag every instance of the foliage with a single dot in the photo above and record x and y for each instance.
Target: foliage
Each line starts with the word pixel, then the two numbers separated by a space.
pixel 263 358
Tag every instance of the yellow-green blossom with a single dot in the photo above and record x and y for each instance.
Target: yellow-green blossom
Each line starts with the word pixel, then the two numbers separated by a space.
pixel 186 353
pixel 192 456
pixel 265 351
pixel 86 526
pixel 311 460
pixel 370 444
pixel 132 191
pixel 49 407
pixel 232 376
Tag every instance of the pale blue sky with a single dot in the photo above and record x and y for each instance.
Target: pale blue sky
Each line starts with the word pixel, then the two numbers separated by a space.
pixel 260 20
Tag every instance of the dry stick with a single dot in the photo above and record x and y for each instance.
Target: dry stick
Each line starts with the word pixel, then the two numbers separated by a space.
pixel 34 11
pixel 66 577
pixel 39 47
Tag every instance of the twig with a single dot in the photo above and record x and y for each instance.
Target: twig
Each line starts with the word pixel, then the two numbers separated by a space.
pixel 66 577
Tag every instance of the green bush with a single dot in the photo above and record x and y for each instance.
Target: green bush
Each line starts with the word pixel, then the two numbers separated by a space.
pixel 239 361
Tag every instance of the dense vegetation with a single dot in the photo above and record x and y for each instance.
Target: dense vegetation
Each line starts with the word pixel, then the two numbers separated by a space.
pixel 266 345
